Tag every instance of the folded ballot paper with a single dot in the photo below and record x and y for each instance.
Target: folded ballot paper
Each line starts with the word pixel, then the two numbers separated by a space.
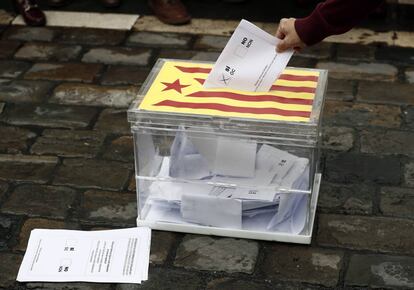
pixel 223 182
pixel 97 256
pixel 249 62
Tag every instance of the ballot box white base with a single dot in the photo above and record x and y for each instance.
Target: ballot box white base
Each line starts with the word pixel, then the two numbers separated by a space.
pixel 245 234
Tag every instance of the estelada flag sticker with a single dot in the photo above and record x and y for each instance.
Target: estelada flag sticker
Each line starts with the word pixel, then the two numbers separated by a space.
pixel 178 88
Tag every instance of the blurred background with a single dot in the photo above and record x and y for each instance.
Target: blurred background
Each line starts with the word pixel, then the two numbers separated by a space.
pixel 393 15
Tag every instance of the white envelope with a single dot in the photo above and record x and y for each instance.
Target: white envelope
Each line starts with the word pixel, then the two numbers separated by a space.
pixel 212 211
pixel 249 62
pixel 235 157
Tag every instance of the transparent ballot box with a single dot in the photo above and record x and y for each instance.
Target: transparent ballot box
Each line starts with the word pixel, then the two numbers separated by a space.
pixel 226 162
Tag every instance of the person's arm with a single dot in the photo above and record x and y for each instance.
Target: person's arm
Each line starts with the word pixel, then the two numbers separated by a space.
pixel 329 18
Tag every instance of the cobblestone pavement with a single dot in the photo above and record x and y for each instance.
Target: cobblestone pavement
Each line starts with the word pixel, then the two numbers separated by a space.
pixel 67 162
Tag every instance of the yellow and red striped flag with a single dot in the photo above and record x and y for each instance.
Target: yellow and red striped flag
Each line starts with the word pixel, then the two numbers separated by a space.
pixel 178 88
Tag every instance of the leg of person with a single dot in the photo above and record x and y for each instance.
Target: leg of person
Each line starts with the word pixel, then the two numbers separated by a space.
pixel 170 11
pixel 30 12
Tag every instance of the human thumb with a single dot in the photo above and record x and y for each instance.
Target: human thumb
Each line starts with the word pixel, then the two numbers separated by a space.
pixel 282 45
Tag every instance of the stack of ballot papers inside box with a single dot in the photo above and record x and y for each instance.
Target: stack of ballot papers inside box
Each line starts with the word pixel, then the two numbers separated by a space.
pixel 229 183
pixel 97 256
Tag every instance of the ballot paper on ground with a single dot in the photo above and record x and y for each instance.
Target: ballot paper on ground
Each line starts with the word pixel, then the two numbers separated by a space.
pixel 249 62
pixel 97 256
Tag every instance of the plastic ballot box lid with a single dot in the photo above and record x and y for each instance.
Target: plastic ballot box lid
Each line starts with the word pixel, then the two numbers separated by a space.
pixel 173 93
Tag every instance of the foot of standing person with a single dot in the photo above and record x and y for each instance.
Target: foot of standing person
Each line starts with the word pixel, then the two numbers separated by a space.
pixel 30 12
pixel 170 11
pixel 111 3
pixel 57 3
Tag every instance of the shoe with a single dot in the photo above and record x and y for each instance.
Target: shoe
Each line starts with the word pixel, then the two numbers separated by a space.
pixel 111 3
pixel 170 11
pixel 57 3
pixel 30 12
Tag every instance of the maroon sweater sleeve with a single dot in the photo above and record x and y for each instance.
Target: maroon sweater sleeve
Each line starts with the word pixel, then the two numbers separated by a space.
pixel 333 17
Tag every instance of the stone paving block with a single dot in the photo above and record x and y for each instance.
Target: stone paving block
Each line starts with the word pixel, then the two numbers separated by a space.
pixel 72 72
pixel 90 36
pixel 302 264
pixel 319 51
pixel 338 138
pixel 396 54
pixel 347 114
pixel 343 198
pixel 5 19
pixel 361 168
pixel 5 81
pixel 159 39
pixel 211 42
pixel 93 95
pixel 205 56
pixel 69 286
pixel 380 271
pixel 68 143
pixel 120 55
pixel 409 174
pixel 37 169
pixel 238 284
pixel 388 235
pixel 360 71
pixel 409 75
pixel 121 149
pixel 24 91
pixel 107 206
pixel 221 254
pixel 132 184
pixel 355 52
pixel 40 223
pixel 389 142
pixel 48 51
pixel 49 115
pixel 167 279
pixel 386 93
pixel 113 121
pixel 9 267
pixel 124 75
pixel 6 230
pixel 397 201
pixel 3 188
pixel 14 139
pixel 40 200
pixel 8 48
pixel 298 61
pixel 161 245
pixel 342 90
pixel 92 173
pixel 408 115
pixel 189 54
pixel 12 69
pixel 176 53
pixel 26 33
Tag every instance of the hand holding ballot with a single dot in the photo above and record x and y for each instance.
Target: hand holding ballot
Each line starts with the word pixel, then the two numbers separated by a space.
pixel 288 35
pixel 249 62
